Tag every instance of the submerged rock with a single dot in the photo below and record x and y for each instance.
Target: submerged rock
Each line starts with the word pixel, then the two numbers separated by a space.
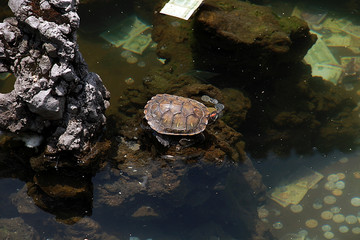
pixel 246 39
pixel 23 202
pixel 67 195
pixel 16 229
pixel 39 47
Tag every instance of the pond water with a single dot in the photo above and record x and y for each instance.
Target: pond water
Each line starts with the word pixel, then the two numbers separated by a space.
pixel 303 180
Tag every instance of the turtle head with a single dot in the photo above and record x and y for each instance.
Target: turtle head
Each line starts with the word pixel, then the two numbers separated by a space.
pixel 213 114
pixel 216 111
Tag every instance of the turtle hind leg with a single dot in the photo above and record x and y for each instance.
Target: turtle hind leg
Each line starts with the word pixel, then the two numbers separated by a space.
pixel 163 140
pixel 184 143
pixel 188 142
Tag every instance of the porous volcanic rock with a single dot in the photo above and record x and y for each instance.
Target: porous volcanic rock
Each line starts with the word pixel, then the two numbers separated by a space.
pixel 54 93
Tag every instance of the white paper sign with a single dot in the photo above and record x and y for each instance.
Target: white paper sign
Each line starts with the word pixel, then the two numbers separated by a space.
pixel 181 8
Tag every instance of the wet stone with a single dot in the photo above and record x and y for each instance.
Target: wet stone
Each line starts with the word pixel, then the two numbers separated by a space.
pixel 23 202
pixel 16 228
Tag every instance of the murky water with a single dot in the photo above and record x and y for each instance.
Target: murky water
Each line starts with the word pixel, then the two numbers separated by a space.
pixel 137 196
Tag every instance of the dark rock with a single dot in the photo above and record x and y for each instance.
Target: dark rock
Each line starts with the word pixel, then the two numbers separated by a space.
pixel 66 4
pixel 50 49
pixel 60 89
pixel 246 39
pixel 2 51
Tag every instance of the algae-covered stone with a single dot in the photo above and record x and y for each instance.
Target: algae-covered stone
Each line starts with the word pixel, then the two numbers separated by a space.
pixel 239 37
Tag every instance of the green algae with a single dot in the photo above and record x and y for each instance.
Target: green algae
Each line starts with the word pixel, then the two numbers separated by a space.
pixel 291 24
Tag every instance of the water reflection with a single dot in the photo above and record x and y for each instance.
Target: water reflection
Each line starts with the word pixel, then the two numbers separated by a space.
pixel 134 188
pixel 154 194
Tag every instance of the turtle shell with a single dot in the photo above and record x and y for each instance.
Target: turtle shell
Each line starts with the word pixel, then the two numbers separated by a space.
pixel 174 115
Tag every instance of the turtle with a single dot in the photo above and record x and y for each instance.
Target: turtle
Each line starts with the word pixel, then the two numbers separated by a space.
pixel 171 115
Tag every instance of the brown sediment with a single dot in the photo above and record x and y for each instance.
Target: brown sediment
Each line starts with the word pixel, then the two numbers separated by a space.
pixel 51 15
